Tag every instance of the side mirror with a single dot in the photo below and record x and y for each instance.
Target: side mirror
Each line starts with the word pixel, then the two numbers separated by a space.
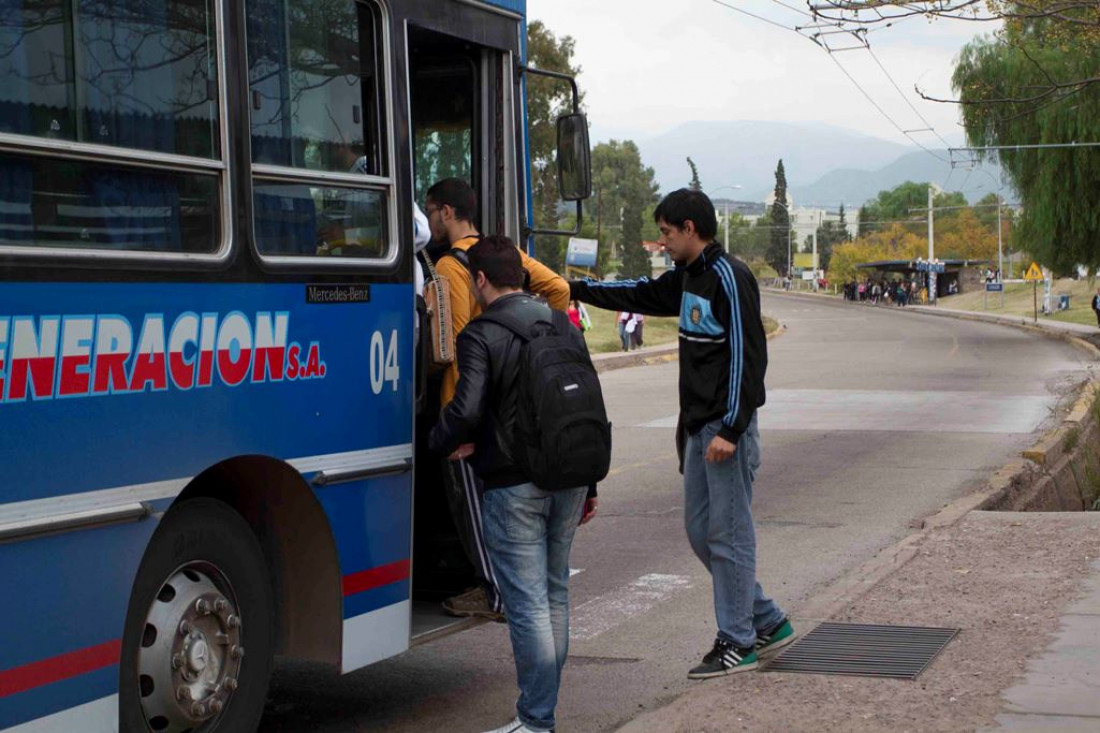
pixel 574 158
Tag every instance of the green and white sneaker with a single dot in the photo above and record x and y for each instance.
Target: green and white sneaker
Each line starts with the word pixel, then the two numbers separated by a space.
pixel 772 640
pixel 724 659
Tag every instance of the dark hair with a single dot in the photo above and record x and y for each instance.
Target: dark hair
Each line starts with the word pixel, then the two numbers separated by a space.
pixel 498 258
pixel 684 205
pixel 456 193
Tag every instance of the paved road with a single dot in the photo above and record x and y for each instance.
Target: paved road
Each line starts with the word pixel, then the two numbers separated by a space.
pixel 874 418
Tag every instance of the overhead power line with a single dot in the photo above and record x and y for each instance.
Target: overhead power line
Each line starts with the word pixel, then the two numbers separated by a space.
pixel 753 15
pixel 831 51
pixel 1036 146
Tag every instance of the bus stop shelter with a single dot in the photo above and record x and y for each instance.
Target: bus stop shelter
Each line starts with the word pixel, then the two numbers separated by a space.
pixel 912 270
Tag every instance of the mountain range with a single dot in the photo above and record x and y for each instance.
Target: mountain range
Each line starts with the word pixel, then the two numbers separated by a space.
pixel 825 165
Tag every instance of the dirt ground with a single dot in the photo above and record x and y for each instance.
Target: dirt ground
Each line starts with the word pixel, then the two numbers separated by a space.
pixel 1002 578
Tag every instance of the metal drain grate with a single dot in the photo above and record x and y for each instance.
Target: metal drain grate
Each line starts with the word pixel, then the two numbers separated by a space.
pixel 900 652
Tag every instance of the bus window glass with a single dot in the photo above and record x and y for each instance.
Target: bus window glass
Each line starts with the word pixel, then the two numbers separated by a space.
pixel 314 90
pixel 129 73
pixel 60 203
pixel 296 219
pixel 443 101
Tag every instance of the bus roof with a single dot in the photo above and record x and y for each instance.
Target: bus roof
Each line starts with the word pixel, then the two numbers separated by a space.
pixel 516 6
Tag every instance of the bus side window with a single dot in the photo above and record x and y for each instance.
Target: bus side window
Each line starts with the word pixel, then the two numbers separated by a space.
pixel 314 96
pixel 128 74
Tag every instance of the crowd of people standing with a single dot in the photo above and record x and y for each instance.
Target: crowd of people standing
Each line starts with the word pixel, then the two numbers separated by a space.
pixel 889 292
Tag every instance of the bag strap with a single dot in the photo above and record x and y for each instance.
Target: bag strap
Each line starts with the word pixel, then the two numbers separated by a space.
pixel 432 274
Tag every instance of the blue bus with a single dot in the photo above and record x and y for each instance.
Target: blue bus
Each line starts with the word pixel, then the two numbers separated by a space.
pixel 208 368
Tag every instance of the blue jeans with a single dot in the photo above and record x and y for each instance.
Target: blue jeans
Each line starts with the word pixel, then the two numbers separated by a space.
pixel 718 517
pixel 529 532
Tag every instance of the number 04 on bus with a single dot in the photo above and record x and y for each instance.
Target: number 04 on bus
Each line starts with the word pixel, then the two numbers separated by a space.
pixel 209 376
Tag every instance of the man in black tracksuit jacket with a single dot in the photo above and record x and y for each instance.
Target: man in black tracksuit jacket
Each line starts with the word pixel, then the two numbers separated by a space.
pixel 723 358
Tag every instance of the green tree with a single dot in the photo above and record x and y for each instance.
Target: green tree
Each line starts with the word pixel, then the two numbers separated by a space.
pixel 829 235
pixel 636 262
pixel 1019 88
pixel 547 99
pixel 778 254
pixel 695 184
pixel 906 204
pixel 627 193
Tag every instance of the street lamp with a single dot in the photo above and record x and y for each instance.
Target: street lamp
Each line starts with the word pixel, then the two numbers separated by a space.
pixel 727 217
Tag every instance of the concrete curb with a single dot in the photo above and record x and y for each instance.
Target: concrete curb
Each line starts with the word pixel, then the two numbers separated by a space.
pixel 1012 322
pixel 651 355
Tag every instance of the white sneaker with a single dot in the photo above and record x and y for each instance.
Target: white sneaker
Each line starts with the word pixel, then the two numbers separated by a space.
pixel 517 726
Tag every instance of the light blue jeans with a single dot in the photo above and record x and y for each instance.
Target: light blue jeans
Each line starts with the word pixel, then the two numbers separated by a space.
pixel 529 532
pixel 718 518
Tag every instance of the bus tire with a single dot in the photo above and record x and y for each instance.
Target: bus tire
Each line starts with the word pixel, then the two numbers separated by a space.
pixel 202 598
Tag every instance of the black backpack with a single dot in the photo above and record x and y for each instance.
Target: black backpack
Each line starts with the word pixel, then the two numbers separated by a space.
pixel 563 438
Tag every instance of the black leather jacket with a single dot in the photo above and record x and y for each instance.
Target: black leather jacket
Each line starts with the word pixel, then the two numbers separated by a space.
pixel 483 410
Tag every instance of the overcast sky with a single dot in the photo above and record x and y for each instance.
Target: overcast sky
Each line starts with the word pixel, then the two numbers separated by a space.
pixel 648 65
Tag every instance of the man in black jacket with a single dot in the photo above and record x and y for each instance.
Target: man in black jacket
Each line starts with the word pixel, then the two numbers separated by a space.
pixel 723 357
pixel 528 531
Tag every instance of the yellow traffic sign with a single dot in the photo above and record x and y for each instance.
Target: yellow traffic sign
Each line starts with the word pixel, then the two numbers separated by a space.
pixel 1034 273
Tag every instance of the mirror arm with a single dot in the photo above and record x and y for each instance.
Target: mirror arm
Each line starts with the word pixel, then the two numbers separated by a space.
pixel 557 75
pixel 528 231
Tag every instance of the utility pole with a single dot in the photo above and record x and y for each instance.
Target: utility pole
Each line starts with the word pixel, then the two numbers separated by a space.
pixel 931 249
pixel 813 259
pixel 1000 248
pixel 727 226
pixel 599 220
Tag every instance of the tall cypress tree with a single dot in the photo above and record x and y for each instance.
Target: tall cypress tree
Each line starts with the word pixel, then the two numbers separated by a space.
pixel 696 184
pixel 777 255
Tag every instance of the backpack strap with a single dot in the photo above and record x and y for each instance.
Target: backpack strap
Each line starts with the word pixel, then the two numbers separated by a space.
pixel 460 255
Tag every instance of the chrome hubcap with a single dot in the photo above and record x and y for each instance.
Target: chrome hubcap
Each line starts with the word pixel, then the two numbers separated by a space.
pixel 191 651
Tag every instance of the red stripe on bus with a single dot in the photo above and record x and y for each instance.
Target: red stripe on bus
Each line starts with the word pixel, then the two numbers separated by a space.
pixel 376 577
pixel 36 674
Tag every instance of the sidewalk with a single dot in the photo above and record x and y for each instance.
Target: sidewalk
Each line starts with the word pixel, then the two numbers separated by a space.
pixel 1024 588
pixel 1016 584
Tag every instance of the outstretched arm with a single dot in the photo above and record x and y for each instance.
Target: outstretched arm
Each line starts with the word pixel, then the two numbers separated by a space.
pixel 660 297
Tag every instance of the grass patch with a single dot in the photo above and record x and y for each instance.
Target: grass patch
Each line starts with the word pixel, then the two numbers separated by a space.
pixel 1018 301
pixel 1073 437
pixel 603 337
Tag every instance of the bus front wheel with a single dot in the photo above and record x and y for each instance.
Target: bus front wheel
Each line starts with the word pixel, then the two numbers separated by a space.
pixel 202 598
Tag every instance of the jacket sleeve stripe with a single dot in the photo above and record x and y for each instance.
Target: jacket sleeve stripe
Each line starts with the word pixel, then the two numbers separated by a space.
pixel 729 284
pixel 615 283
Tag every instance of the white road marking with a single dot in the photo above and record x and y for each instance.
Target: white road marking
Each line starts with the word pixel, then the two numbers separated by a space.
pixel 601 614
pixel 575 571
pixel 897 411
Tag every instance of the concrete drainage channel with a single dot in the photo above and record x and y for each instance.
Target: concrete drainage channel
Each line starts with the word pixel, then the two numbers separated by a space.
pixel 1060 473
